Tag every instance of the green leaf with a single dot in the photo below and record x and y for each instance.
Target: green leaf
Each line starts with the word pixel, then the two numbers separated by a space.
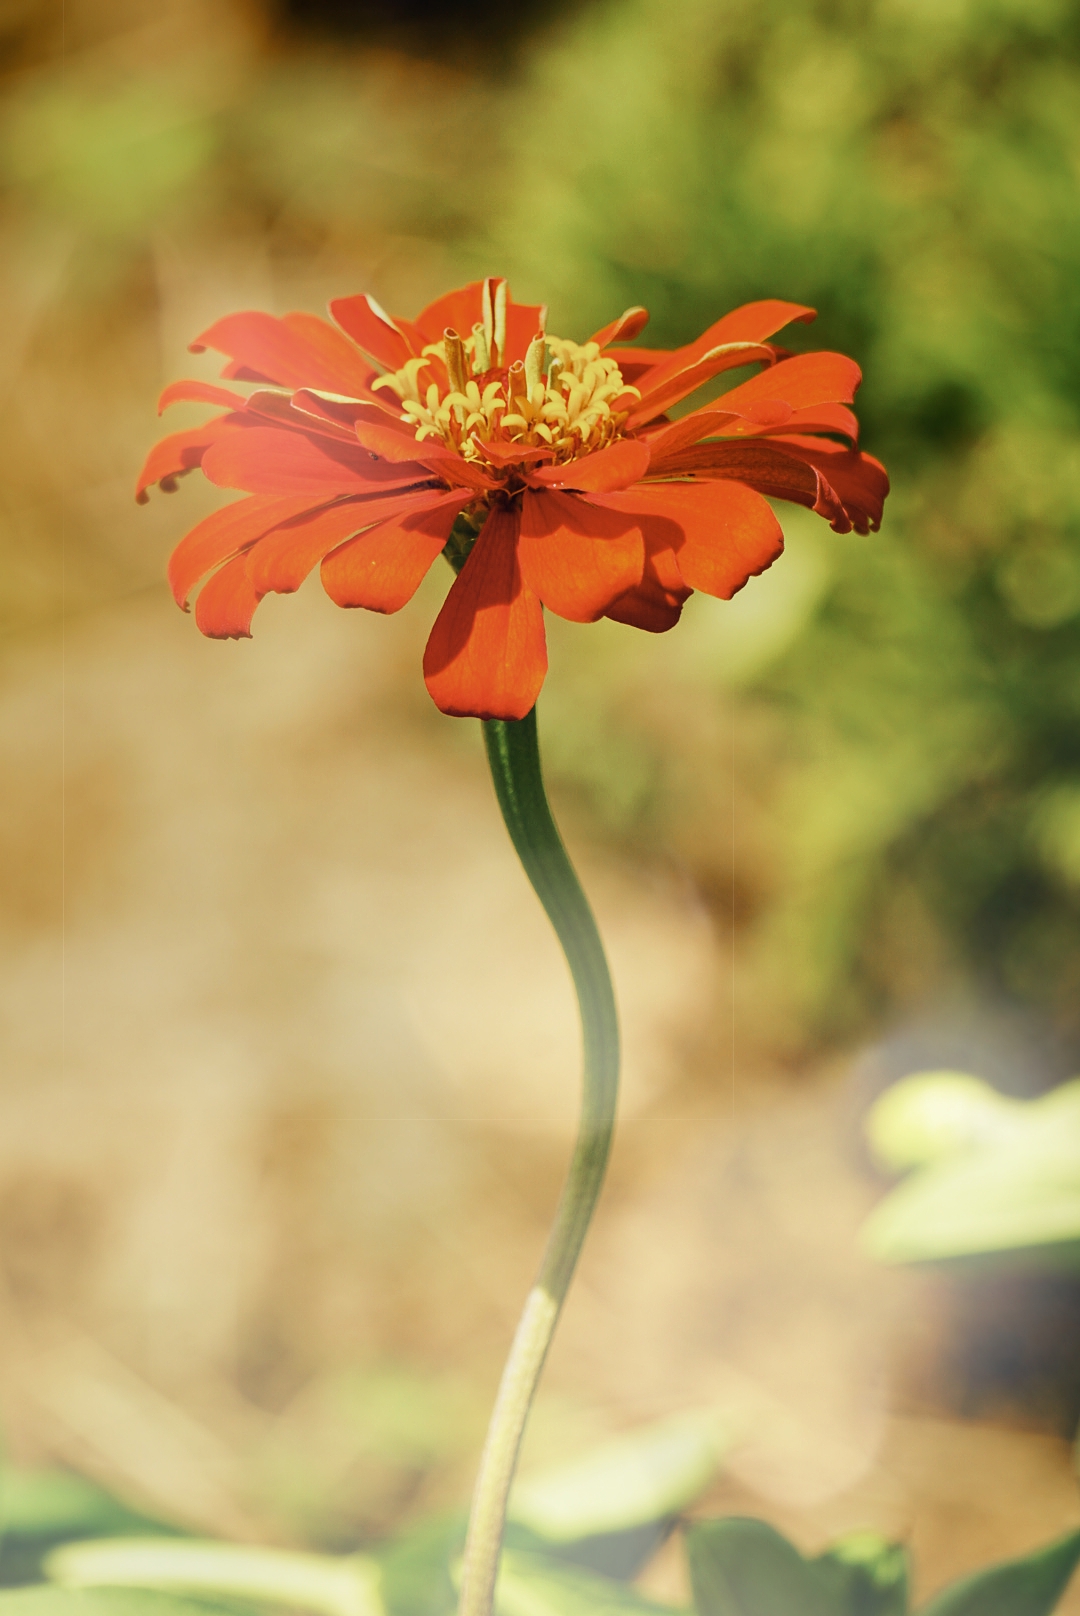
pixel 930 1115
pixel 345 1586
pixel 647 1476
pixel 530 1585
pixel 864 1575
pixel 743 1567
pixel 1029 1586
pixel 58 1503
pixel 44 1600
pixel 415 1568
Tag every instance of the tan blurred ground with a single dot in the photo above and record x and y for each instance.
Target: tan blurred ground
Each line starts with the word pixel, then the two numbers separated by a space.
pixel 289 1055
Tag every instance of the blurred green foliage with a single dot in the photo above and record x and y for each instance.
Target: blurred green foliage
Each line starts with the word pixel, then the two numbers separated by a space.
pixel 738 1567
pixel 911 170
pixel 994 1176
pixel 906 707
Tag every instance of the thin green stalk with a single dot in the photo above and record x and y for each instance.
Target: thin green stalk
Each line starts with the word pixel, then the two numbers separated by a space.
pixel 514 756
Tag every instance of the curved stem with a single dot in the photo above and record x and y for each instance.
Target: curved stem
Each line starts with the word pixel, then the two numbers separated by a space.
pixel 514 756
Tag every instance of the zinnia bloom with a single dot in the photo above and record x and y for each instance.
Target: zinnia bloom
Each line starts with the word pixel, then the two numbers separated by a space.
pixel 548 471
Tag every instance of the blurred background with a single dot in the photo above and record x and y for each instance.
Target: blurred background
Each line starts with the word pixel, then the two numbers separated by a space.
pixel 290 1060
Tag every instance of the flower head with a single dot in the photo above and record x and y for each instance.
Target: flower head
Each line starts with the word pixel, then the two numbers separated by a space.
pixel 548 471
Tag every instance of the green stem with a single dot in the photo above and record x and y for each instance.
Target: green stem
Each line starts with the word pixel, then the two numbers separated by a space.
pixel 514 756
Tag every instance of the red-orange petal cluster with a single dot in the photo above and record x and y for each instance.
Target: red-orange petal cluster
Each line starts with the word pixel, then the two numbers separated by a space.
pixel 332 473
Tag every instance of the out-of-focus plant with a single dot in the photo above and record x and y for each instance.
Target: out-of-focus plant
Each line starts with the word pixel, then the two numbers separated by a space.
pixel 987 1173
pixel 624 1500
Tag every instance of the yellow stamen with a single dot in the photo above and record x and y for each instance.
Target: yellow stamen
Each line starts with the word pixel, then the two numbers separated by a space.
pixel 563 396
pixel 499 345
pixel 535 361
pixel 456 360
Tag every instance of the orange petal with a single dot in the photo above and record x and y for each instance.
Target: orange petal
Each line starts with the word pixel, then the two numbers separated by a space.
pixel 192 392
pixel 342 412
pixel 662 389
pixel 486 656
pixel 181 452
pixel 805 379
pixel 523 322
pixel 223 533
pixel 576 556
pixel 722 534
pixel 383 568
pixel 760 462
pixel 265 460
pixel 278 562
pixel 281 560
pixel 460 309
pixel 753 322
pixel 511 454
pixel 604 471
pixel 395 444
pixel 299 350
pixel 373 330
pixel 821 418
pixel 657 602
pixel 281 407
pixel 631 323
pixel 387 435
pixel 690 429
pixel 227 602
pixel 860 481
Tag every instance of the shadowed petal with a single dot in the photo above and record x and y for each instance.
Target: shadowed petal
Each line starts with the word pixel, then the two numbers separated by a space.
pixel 223 533
pixel 342 412
pixel 266 461
pixel 722 533
pixel 279 561
pixel 282 559
pixel 764 465
pixel 576 555
pixel 618 466
pixel 657 602
pixel 383 568
pixel 486 656
pixel 395 444
pixel 758 418
pixel 860 481
pixel 281 407
pixel 523 322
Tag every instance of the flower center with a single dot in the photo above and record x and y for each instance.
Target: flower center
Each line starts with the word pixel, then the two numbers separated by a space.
pixel 566 398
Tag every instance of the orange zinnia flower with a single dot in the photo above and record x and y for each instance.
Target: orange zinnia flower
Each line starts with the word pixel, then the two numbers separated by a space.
pixel 547 470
